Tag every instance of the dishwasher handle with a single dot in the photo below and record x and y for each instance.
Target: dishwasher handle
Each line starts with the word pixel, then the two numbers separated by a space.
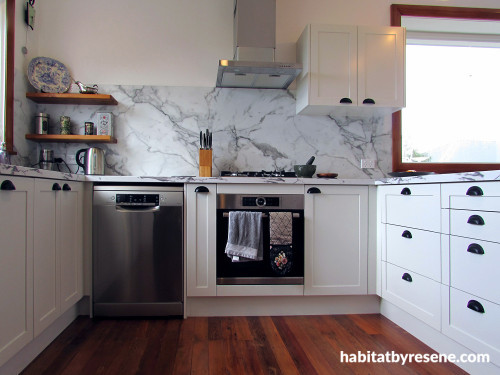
pixel 137 209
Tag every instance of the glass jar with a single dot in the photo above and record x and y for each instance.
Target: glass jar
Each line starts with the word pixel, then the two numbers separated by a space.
pixel 65 122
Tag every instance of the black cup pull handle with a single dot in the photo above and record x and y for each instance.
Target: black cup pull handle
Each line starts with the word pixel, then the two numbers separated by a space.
pixel 407 234
pixel 346 101
pixel 407 277
pixel 406 191
pixel 66 187
pixel 475 191
pixel 56 187
pixel 474 248
pixel 201 189
pixel 7 185
pixel 476 306
pixel 475 220
pixel 313 190
pixel 368 101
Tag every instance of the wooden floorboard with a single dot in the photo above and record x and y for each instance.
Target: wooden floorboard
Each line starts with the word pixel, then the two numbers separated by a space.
pixel 291 345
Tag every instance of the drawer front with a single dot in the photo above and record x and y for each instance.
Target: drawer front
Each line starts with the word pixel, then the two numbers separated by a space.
pixel 420 297
pixel 479 331
pixel 415 249
pixel 414 206
pixel 480 196
pixel 474 267
pixel 475 224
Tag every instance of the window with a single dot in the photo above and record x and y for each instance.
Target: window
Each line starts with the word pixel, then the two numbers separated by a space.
pixel 3 56
pixel 7 72
pixel 451 122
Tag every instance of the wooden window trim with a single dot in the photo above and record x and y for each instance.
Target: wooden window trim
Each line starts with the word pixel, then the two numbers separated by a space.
pixel 9 78
pixel 397 11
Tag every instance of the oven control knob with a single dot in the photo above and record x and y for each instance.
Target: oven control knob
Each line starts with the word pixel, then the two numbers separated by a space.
pixel 261 201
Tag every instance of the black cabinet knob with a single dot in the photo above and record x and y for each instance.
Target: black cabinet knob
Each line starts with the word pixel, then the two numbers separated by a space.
pixel 66 187
pixel 7 185
pixel 56 187
pixel 475 220
pixel 407 234
pixel 313 190
pixel 407 277
pixel 201 189
pixel 475 306
pixel 475 248
pixel 475 191
pixel 406 191
pixel 368 101
pixel 346 101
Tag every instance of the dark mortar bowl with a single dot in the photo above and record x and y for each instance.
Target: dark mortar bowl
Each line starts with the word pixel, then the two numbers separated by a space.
pixel 304 170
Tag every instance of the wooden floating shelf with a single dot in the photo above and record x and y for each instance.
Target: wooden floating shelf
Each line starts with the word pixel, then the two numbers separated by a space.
pixel 67 98
pixel 72 138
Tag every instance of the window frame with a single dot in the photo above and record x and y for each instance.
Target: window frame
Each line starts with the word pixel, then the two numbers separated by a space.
pixel 398 11
pixel 9 78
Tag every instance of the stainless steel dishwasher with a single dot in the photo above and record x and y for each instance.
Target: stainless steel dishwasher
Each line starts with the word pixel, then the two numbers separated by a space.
pixel 137 248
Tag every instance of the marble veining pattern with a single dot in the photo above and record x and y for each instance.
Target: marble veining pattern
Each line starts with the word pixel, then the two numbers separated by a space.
pixel 158 133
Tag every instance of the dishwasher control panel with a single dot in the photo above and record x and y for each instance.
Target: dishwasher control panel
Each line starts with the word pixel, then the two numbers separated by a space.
pixel 138 196
pixel 138 199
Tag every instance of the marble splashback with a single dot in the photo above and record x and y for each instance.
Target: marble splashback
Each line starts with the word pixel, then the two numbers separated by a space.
pixel 158 133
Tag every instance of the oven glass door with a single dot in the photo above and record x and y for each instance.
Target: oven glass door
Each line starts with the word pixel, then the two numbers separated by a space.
pixel 280 264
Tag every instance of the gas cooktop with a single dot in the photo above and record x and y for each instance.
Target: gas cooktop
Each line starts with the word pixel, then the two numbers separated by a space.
pixel 257 174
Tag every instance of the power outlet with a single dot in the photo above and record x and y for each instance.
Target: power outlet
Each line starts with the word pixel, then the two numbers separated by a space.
pixel 368 163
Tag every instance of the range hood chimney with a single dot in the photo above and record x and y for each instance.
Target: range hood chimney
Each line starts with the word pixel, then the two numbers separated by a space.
pixel 254 49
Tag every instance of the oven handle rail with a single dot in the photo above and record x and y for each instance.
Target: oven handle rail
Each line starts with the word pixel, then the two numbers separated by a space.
pixel 294 215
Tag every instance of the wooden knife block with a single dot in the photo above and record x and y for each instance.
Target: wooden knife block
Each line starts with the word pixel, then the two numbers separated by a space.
pixel 205 163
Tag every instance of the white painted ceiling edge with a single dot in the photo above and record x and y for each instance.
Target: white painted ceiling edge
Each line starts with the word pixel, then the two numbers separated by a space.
pixel 175 43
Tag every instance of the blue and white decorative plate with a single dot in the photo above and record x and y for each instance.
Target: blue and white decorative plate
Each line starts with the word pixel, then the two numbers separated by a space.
pixel 49 75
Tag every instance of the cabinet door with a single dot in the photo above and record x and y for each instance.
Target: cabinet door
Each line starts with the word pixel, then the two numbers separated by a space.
pixel 46 268
pixel 336 240
pixel 16 265
pixel 328 54
pixel 333 64
pixel 70 243
pixel 381 69
pixel 201 240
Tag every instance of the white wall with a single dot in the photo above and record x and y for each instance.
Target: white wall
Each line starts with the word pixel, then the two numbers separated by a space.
pixel 178 43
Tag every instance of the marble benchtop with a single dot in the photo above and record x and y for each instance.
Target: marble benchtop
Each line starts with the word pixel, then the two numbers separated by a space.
pixel 13 170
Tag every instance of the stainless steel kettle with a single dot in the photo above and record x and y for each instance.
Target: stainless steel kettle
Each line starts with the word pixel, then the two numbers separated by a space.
pixel 93 160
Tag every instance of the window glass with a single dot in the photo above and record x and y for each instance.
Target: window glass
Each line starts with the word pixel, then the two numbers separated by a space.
pixel 452 104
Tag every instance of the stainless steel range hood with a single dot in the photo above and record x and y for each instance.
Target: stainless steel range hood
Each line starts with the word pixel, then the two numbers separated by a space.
pixel 254 50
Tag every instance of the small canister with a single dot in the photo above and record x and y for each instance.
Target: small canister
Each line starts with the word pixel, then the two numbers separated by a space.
pixel 65 122
pixel 89 128
pixel 42 123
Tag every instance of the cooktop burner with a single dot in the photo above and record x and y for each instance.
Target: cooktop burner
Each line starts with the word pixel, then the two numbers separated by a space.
pixel 257 174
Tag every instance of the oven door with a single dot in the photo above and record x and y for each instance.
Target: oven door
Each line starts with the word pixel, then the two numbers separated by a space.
pixel 281 264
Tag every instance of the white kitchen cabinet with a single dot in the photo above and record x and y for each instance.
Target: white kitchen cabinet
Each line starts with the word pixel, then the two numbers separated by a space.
pixel 471 307
pixel 417 294
pixel 336 240
pixel 16 265
pixel 201 240
pixel 473 322
pixel 46 263
pixel 411 263
pixel 350 67
pixel 414 206
pixel 58 249
pixel 70 239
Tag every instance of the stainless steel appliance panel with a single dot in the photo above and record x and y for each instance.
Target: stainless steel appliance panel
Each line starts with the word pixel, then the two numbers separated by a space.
pixel 137 252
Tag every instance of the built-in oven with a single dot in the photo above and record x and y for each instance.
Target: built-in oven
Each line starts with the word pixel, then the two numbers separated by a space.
pixel 282 231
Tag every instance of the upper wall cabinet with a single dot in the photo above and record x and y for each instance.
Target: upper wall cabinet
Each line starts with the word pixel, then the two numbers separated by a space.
pixel 351 68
